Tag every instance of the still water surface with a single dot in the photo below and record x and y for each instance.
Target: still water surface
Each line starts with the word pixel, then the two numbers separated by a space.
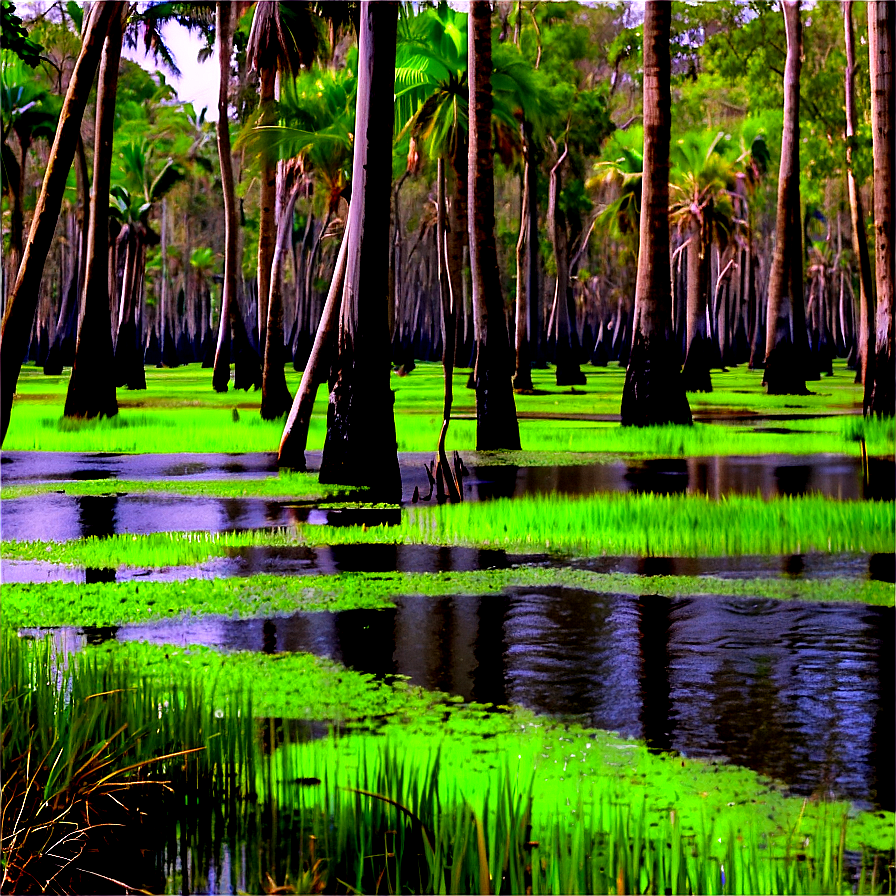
pixel 800 692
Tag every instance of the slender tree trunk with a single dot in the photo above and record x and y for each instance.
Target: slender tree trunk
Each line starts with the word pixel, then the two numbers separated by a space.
pixel 232 336
pixel 882 45
pixel 295 434
pixel 91 389
pixel 695 373
pixel 128 347
pixel 456 240
pixel 267 218
pixel 785 358
pixel 653 391
pixel 275 397
pixel 360 445
pixel 567 369
pixel 496 423
pixel 22 302
pixel 522 377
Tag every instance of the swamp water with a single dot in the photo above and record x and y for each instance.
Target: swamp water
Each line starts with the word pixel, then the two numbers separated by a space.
pixel 800 692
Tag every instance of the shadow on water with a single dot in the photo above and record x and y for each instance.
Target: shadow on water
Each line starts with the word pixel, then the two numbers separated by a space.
pixel 800 692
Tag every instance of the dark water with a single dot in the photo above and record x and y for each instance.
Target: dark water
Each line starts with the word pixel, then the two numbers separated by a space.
pixel 57 517
pixel 800 692
pixel 329 560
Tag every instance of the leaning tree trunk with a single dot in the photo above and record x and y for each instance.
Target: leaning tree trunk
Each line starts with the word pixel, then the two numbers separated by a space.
pixel 267 211
pixel 22 301
pixel 496 422
pixel 232 336
pixel 295 434
pixel 275 397
pixel 653 391
pixel 857 217
pixel 91 389
pixel 882 44
pixel 785 354
pixel 526 334
pixel 695 373
pixel 360 445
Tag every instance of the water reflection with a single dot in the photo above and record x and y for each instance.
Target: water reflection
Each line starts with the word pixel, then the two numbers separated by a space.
pixel 800 692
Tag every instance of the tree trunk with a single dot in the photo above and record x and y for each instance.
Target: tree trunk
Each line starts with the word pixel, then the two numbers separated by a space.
pixel 91 389
pixel 653 391
pixel 522 377
pixel 267 217
pixel 232 336
pixel 882 44
pixel 22 302
pixel 360 445
pixel 695 373
pixel 275 397
pixel 785 356
pixel 295 434
pixel 567 368
pixel 456 240
pixel 496 422
pixel 128 347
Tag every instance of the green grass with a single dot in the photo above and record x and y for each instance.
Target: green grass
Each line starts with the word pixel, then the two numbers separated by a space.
pixel 179 412
pixel 600 525
pixel 285 485
pixel 56 603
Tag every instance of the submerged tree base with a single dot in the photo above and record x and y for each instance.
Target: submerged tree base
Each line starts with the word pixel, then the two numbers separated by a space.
pixel 653 393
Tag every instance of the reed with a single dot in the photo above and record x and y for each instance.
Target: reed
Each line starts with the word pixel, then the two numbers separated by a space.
pixel 596 525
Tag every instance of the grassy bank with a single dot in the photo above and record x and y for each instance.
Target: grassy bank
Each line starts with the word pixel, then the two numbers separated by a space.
pixel 484 798
pixel 61 604
pixel 599 525
pixel 179 412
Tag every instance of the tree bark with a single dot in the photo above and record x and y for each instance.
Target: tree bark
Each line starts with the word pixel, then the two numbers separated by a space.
pixel 360 445
pixel 232 336
pixel 785 354
pixel 653 392
pixel 522 377
pixel 275 397
pixel 295 434
pixel 695 373
pixel 496 422
pixel 22 301
pixel 91 389
pixel 882 44
pixel 267 217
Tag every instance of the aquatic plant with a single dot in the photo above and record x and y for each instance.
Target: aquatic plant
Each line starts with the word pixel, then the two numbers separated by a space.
pixel 596 525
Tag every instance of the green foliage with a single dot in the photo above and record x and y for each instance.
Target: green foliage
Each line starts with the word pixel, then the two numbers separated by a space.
pixel 15 36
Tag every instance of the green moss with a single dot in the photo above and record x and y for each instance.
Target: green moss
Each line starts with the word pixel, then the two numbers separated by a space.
pixel 598 525
pixel 295 486
pixel 56 604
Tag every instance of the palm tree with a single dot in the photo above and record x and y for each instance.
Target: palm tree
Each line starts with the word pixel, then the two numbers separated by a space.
pixel 22 301
pixel 232 329
pixel 360 447
pixel 283 37
pixel 496 423
pixel 653 391
pixel 856 212
pixel 882 41
pixel 703 210
pixel 786 343
pixel 134 205
pixel 91 389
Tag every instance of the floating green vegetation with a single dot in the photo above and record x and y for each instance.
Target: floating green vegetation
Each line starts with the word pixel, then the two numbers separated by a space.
pixel 598 525
pixel 285 485
pixel 179 412
pixel 434 755
pixel 57 604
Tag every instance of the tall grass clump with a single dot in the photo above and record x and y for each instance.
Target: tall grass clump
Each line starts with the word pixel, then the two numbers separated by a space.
pixel 90 748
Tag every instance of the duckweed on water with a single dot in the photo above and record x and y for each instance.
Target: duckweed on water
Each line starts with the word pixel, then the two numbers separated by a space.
pixel 574 771
pixel 295 486
pixel 597 525
pixel 57 604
